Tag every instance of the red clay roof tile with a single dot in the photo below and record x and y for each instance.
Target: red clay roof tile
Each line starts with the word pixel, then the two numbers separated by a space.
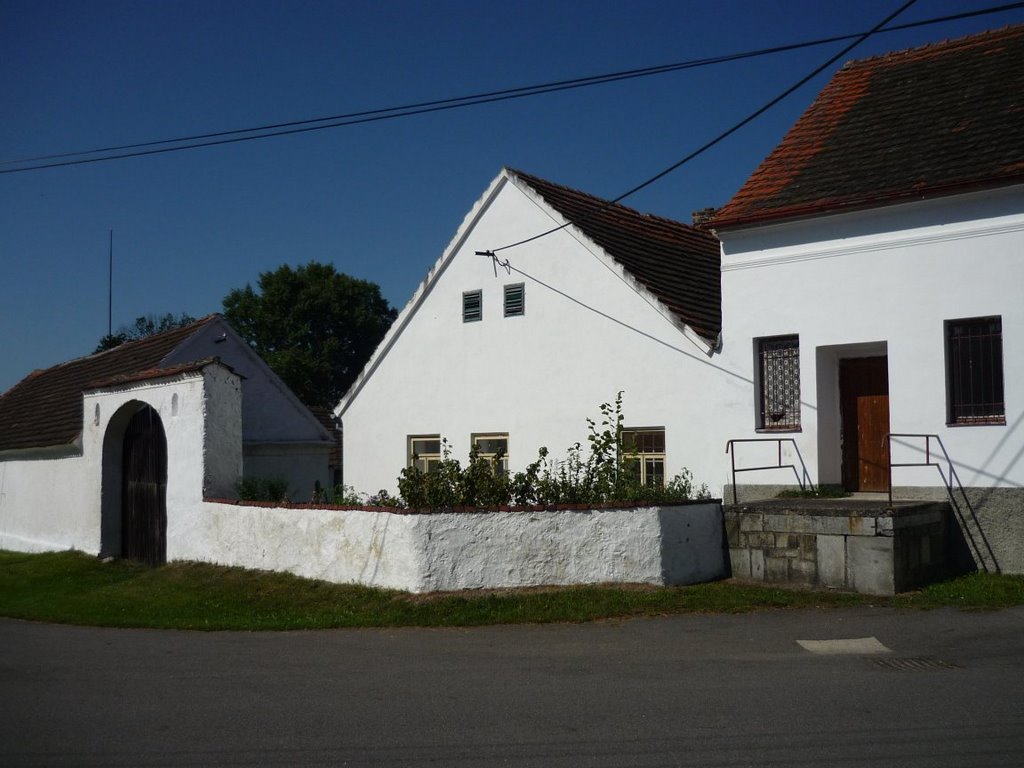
pixel 680 265
pixel 45 408
pixel 922 122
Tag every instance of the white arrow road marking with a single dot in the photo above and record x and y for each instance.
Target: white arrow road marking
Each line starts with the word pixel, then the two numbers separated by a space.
pixel 850 646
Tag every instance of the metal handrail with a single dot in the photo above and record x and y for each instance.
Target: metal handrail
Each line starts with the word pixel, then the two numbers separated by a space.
pixel 948 480
pixel 803 481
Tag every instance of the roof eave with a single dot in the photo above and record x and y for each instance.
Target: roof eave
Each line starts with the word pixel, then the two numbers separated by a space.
pixel 863 203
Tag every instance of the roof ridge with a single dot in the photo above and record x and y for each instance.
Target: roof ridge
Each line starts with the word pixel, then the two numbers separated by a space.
pixel 933 47
pixel 528 177
pixel 198 323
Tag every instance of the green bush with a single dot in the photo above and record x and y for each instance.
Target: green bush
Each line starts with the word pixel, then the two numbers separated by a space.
pixel 262 489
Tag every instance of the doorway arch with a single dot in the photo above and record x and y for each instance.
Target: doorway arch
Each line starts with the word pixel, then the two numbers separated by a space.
pixel 135 485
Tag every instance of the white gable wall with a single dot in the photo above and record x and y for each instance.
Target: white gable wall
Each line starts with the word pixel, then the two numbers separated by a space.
pixel 538 376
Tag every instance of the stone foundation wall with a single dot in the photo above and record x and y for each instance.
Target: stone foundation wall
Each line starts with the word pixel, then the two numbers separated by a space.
pixel 860 546
pixel 988 534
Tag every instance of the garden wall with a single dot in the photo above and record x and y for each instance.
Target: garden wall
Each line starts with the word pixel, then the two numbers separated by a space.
pixel 673 544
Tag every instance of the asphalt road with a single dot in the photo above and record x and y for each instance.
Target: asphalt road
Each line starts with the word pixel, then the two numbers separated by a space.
pixel 674 691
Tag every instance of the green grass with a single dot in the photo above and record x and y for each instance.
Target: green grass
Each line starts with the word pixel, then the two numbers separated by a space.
pixel 73 588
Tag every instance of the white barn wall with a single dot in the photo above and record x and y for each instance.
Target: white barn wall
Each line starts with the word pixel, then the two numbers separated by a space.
pixel 538 376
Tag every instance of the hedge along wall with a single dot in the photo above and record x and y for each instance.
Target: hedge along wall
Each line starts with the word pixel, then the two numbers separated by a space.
pixel 440 551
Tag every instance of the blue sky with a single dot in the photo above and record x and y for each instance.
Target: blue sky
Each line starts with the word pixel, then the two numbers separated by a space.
pixel 379 201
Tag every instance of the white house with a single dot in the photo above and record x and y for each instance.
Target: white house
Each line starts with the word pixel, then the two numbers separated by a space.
pixel 113 453
pixel 873 284
pixel 515 351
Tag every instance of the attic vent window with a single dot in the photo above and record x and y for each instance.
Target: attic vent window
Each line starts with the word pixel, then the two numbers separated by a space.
pixel 472 306
pixel 515 299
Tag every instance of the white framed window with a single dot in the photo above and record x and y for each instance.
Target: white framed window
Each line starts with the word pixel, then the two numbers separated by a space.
pixel 492 446
pixel 424 452
pixel 778 362
pixel 644 454
pixel 472 306
pixel 515 299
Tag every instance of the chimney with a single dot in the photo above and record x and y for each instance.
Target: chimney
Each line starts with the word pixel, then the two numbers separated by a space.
pixel 703 216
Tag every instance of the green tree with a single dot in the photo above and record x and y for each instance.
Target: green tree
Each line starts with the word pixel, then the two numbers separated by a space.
pixel 145 325
pixel 314 326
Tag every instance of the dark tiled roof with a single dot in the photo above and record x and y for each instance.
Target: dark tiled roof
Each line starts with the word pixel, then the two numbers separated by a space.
pixel 680 265
pixel 154 373
pixel 45 408
pixel 928 121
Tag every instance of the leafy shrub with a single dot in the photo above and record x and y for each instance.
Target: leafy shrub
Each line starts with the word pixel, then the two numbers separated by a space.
pixel 262 489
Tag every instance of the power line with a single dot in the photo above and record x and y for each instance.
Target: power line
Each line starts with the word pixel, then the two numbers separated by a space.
pixel 217 138
pixel 720 137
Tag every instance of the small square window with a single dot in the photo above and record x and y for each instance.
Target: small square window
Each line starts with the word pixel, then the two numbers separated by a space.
pixel 778 360
pixel 644 455
pixel 472 306
pixel 424 452
pixel 493 447
pixel 515 299
pixel 974 371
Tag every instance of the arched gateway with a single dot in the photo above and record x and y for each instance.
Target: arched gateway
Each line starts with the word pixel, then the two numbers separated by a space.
pixel 136 519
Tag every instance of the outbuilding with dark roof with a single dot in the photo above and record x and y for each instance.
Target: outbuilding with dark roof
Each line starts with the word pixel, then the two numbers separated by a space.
pixel 114 452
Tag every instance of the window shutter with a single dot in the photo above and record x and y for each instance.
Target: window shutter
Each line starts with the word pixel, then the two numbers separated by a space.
pixel 472 306
pixel 515 299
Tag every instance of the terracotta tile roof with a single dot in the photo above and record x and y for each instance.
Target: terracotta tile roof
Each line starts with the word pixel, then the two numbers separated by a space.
pixel 680 265
pixel 927 121
pixel 45 408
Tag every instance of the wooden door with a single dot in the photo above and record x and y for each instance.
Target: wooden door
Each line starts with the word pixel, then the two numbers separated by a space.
pixel 144 489
pixel 864 401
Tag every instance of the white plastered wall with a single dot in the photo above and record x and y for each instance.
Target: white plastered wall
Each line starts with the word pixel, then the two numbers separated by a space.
pixel 60 503
pixel 879 282
pixel 588 332
pixel 468 550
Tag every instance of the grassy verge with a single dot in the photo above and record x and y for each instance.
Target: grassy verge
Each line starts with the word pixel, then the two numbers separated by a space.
pixel 73 588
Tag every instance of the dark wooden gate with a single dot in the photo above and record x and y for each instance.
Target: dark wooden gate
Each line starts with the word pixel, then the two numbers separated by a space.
pixel 144 489
pixel 864 401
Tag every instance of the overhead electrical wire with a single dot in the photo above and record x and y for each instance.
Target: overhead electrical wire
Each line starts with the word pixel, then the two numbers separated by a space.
pixel 719 138
pixel 509 267
pixel 196 141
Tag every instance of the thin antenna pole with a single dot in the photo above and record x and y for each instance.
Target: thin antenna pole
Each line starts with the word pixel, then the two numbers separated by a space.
pixel 110 286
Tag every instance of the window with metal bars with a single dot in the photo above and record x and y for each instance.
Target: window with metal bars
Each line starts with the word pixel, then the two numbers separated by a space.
pixel 515 299
pixel 974 371
pixel 472 306
pixel 779 379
